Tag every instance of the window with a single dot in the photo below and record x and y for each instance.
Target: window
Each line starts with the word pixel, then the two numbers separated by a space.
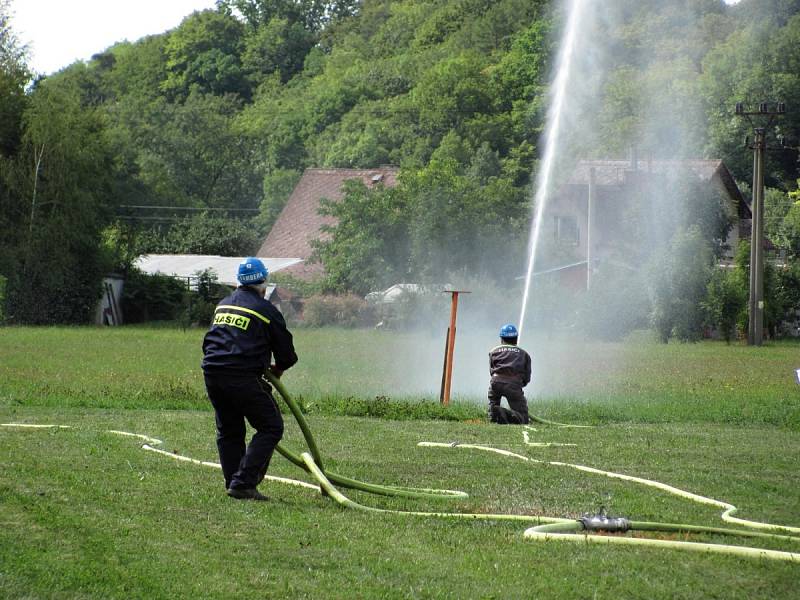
pixel 566 231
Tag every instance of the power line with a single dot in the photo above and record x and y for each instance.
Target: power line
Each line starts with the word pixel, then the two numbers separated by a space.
pixel 187 208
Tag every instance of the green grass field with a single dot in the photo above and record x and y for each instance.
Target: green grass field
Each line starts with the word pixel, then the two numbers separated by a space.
pixel 88 513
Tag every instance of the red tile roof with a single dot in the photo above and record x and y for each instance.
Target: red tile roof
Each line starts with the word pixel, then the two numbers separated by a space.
pixel 612 172
pixel 300 221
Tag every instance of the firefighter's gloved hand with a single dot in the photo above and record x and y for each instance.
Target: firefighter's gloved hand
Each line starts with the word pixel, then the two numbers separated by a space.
pixel 276 371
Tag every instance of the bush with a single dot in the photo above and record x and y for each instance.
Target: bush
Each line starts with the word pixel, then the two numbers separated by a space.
pixel 346 311
pixel 413 310
pixel 727 298
pixel 202 302
pixel 201 234
pixel 72 291
pixel 679 286
pixel 152 297
pixel 788 280
pixel 3 281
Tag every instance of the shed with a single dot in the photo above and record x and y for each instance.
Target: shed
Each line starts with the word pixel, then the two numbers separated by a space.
pixel 186 266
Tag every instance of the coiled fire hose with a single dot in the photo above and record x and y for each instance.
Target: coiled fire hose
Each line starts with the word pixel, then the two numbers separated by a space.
pixel 385 490
pixel 547 528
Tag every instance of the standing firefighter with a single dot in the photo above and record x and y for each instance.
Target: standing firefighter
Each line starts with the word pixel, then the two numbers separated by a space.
pixel 510 368
pixel 247 331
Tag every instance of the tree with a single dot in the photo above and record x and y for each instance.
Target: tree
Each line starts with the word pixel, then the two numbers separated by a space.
pixel 201 234
pixel 226 110
pixel 276 121
pixel 203 52
pixel 192 154
pixel 781 291
pixel 277 47
pixel 679 286
pixel 727 298
pixel 452 91
pixel 460 214
pixel 519 80
pixel 788 280
pixel 139 68
pixel 777 12
pixel 368 248
pixel 791 225
pixel 14 75
pixel 64 174
pixel 458 222
pixel 777 205
pixel 757 63
pixel 313 15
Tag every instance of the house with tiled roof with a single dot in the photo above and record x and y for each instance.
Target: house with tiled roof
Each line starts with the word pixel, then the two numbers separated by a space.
pixel 587 214
pixel 300 222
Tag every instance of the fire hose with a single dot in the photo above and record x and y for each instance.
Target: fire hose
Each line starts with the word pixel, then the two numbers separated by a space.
pixel 583 530
pixel 384 490
pixel 599 528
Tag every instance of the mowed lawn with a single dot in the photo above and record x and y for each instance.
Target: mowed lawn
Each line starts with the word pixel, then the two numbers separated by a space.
pixel 340 370
pixel 88 513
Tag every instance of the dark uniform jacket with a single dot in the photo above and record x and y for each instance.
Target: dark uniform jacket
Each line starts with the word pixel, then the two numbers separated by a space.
pixel 510 364
pixel 246 332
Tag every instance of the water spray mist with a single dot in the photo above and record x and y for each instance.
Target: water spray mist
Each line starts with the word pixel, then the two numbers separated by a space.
pixel 555 117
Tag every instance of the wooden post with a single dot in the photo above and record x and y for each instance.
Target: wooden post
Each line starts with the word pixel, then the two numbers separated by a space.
pixel 444 364
pixel 451 344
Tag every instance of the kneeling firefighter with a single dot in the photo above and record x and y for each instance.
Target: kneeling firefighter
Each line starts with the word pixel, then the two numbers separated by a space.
pixel 510 369
pixel 246 332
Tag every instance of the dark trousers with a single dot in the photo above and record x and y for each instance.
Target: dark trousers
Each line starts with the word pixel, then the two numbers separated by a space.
pixel 518 415
pixel 236 399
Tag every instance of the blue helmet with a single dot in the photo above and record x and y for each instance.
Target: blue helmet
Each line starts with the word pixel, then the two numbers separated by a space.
pixel 252 270
pixel 508 331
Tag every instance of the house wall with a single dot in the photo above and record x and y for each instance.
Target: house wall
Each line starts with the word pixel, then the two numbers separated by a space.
pixel 734 235
pixel 607 224
pixel 615 213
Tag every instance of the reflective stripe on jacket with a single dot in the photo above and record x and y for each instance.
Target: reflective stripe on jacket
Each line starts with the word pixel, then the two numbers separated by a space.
pixel 246 331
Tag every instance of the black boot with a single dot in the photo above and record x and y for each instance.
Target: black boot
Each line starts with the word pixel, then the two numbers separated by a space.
pixel 246 494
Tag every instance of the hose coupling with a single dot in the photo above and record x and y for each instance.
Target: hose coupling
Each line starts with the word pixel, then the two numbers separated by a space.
pixel 602 522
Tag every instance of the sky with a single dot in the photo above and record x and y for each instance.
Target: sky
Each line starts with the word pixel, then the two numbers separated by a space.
pixel 59 32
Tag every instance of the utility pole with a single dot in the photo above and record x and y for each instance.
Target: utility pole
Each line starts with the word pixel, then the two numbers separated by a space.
pixel 766 114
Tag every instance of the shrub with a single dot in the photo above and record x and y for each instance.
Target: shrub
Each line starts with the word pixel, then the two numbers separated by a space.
pixel 413 310
pixel 727 298
pixel 346 311
pixel 200 304
pixel 788 280
pixel 152 297
pixel 3 281
pixel 679 286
